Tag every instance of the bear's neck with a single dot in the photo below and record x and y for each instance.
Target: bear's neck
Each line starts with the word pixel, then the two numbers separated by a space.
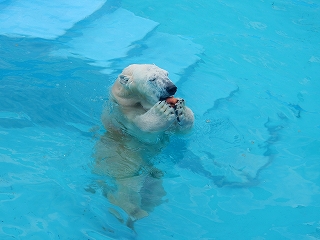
pixel 123 96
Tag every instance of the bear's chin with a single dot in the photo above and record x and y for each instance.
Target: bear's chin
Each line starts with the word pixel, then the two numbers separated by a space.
pixel 148 102
pixel 146 105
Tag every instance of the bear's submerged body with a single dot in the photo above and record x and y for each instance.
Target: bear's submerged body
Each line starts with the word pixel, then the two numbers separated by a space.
pixel 138 122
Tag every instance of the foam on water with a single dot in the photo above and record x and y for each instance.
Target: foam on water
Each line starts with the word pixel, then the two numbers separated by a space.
pixel 250 72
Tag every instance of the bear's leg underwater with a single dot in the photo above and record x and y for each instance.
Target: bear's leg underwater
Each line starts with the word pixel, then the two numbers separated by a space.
pixel 138 185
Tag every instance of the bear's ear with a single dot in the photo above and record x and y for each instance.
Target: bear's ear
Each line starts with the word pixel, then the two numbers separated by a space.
pixel 124 79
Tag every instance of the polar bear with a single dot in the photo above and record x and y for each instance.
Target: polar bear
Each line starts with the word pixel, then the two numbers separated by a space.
pixel 139 120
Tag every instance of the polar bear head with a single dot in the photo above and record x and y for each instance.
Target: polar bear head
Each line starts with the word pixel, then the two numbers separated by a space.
pixel 144 84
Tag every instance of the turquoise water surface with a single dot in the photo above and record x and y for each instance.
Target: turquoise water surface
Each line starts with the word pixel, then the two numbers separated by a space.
pixel 250 71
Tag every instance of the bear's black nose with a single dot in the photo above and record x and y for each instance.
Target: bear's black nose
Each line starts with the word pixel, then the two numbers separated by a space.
pixel 171 89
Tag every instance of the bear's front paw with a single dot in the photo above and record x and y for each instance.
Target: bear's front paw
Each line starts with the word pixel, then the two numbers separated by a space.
pixel 164 110
pixel 163 115
pixel 179 110
pixel 159 118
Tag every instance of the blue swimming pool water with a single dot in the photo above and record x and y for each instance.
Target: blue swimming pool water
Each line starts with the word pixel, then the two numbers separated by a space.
pixel 250 71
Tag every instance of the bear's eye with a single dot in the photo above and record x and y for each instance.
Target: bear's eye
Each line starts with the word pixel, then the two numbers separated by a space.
pixel 152 79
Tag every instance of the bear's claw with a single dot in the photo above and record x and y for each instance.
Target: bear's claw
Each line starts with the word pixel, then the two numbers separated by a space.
pixel 179 110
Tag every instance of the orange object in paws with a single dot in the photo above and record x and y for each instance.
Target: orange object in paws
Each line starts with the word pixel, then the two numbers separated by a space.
pixel 172 101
